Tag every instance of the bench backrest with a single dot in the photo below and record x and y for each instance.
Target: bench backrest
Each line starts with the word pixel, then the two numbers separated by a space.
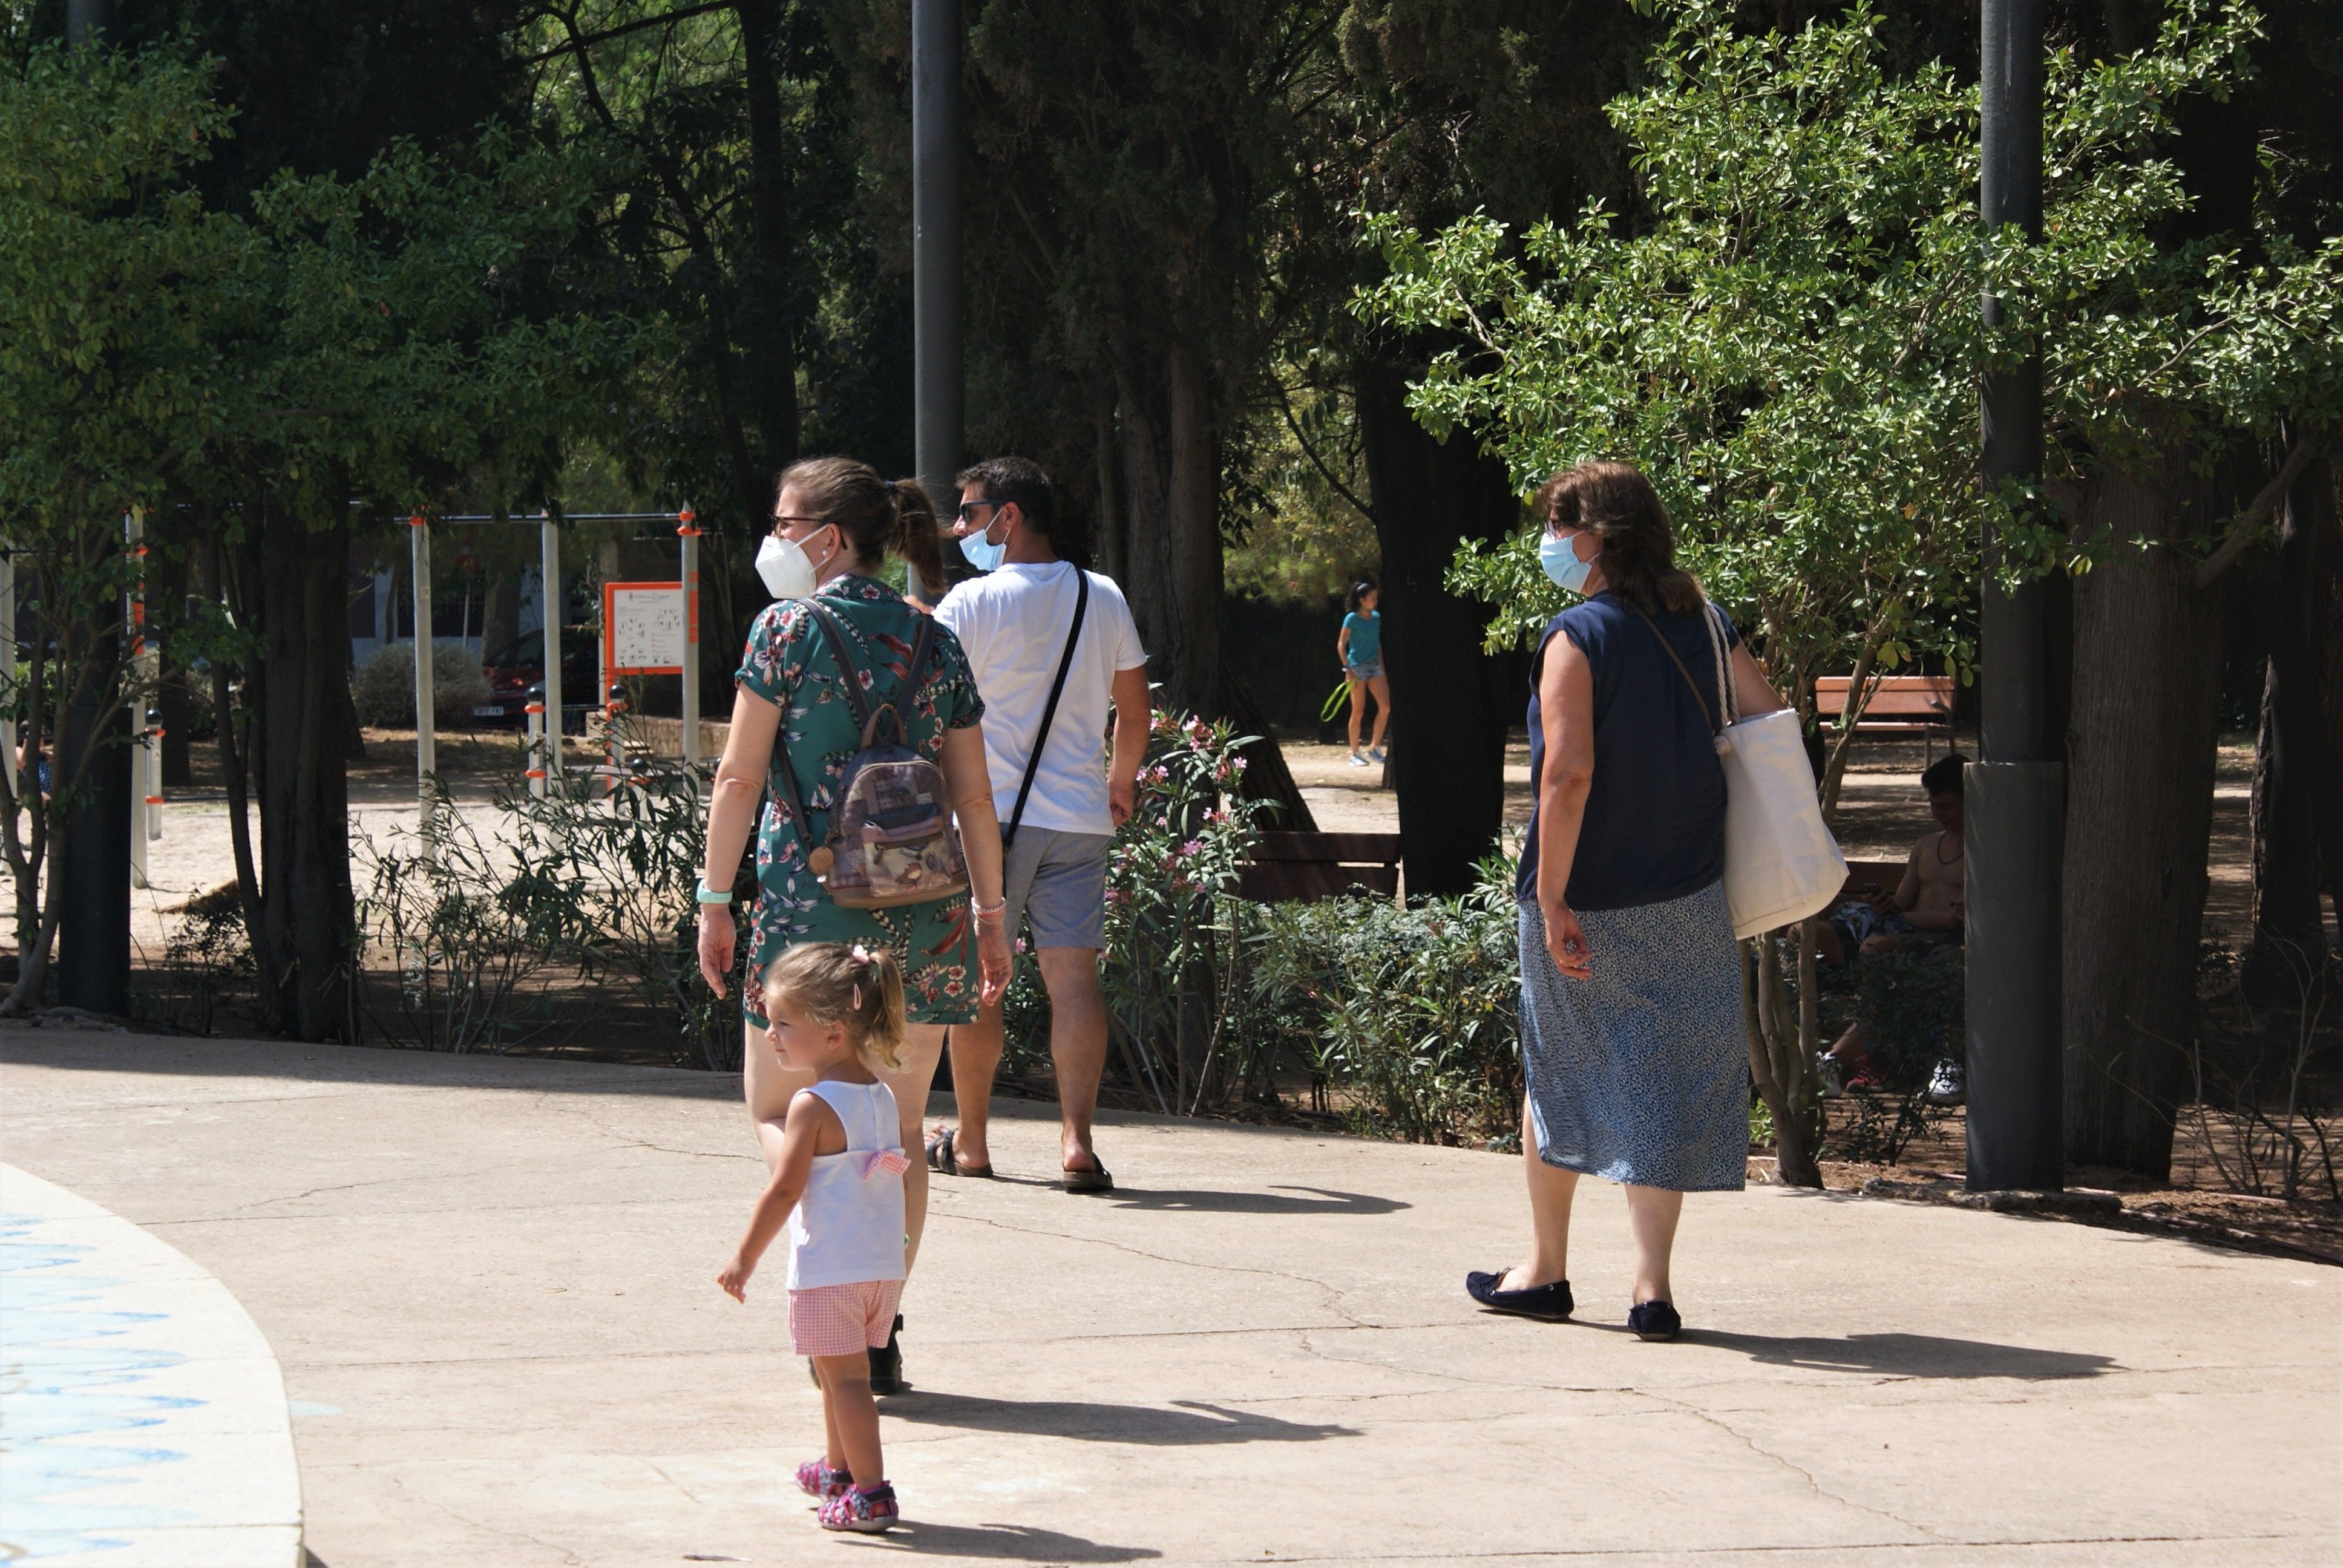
pixel 1312 865
pixel 1895 695
pixel 1888 874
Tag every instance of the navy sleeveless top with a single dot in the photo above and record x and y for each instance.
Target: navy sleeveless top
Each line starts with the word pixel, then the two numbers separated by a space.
pixel 1654 825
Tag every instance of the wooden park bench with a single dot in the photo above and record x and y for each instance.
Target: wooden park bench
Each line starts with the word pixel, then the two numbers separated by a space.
pixel 1918 705
pixel 1313 865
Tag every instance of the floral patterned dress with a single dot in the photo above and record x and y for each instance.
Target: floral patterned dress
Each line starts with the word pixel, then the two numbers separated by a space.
pixel 791 664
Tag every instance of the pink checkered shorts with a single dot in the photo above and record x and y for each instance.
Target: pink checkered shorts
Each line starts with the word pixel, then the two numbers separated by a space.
pixel 839 1320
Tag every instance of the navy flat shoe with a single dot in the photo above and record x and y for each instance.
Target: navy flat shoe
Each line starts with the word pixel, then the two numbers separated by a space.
pixel 1546 1303
pixel 1654 1321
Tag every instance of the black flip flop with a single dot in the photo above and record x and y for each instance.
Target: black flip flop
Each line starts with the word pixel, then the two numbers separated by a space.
pixel 1097 1179
pixel 1546 1303
pixel 942 1159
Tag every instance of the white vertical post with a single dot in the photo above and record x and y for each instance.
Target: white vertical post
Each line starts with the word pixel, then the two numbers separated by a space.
pixel 134 539
pixel 8 664
pixel 427 751
pixel 689 535
pixel 549 554
pixel 536 711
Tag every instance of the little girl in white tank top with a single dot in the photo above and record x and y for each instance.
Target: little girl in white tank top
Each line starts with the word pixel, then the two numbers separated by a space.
pixel 837 1184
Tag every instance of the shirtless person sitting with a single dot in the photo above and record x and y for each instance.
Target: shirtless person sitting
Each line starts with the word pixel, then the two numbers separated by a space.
pixel 1927 912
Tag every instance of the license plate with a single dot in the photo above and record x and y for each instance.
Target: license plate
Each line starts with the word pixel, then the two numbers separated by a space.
pixel 487 713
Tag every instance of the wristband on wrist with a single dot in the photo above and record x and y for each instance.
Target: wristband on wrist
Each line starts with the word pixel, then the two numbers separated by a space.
pixel 708 895
pixel 983 913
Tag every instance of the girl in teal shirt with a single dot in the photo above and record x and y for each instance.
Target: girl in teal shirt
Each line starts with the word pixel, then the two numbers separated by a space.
pixel 1361 646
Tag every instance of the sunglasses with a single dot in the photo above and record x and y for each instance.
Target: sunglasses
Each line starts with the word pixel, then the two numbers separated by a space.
pixel 968 508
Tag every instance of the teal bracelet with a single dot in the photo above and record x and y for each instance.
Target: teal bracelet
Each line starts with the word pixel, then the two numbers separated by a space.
pixel 708 895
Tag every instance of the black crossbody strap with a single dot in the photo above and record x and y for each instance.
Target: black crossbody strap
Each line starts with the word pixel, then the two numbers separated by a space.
pixel 1049 711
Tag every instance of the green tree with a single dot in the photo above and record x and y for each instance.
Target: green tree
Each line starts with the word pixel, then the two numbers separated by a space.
pixel 251 379
pixel 1790 349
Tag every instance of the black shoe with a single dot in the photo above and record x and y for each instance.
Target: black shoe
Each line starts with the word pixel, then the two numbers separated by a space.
pixel 887 1363
pixel 1654 1321
pixel 1547 1303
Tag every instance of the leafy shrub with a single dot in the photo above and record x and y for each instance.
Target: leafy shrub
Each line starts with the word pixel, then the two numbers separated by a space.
pixel 1416 1011
pixel 599 885
pixel 383 688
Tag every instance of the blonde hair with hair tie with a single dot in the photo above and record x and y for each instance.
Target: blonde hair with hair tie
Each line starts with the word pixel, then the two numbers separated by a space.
pixel 857 987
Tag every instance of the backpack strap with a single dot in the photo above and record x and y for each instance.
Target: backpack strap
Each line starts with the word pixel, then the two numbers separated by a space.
pixel 784 771
pixel 839 641
pixel 1049 711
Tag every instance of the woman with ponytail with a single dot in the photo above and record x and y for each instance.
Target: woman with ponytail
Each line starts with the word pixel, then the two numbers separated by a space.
pixel 835 520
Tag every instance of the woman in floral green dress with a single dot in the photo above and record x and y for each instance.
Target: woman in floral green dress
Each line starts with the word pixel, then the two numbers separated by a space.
pixel 834 521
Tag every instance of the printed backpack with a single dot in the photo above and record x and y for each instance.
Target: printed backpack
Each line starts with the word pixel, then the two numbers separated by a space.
pixel 891 840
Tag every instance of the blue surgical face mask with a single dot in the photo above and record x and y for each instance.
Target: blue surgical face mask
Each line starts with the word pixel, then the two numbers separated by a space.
pixel 1562 563
pixel 980 552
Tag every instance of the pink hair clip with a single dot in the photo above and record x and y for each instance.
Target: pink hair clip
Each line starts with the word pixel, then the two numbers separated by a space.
pixel 858 996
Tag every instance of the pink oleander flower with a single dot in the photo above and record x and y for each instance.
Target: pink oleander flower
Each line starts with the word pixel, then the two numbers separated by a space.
pixel 1192 846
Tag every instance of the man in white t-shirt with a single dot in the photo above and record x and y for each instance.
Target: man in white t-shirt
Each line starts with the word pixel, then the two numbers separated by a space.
pixel 1013 622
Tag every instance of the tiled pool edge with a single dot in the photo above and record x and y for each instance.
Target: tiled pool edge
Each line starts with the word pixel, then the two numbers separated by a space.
pixel 146 1421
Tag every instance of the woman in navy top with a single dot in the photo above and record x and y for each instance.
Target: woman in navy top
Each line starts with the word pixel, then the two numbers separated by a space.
pixel 1632 1040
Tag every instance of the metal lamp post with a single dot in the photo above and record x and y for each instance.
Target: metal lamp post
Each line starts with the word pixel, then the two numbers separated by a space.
pixel 938 414
pixel 2015 789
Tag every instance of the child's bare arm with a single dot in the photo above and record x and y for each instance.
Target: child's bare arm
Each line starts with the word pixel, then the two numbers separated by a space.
pixel 810 1117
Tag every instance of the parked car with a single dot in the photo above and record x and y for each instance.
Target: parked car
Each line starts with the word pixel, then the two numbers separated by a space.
pixel 517 674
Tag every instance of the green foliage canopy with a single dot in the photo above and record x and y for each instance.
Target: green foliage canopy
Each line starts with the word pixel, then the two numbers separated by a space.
pixel 1789 345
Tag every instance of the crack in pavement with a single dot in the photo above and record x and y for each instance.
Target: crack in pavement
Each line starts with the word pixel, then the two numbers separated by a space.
pixel 1334 1292
pixel 1672 1554
pixel 1789 1465
pixel 569 1559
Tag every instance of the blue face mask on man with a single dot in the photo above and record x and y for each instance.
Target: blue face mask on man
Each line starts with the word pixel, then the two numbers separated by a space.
pixel 979 550
pixel 1561 563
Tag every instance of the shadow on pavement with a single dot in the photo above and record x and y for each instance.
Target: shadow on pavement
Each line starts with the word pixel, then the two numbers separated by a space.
pixel 1190 1422
pixel 1325 1202
pixel 1017 1542
pixel 1905 1355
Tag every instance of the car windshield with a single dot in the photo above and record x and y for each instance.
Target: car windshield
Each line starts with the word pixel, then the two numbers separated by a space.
pixel 527 649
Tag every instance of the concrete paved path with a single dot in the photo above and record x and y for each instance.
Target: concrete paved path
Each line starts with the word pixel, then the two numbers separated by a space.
pixel 488 1283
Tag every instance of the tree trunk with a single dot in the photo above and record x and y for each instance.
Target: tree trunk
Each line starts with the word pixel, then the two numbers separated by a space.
pixel 1777 1063
pixel 167 603
pixel 1173 541
pixel 306 945
pixel 766 311
pixel 2140 751
pixel 1451 706
pixel 2294 774
pixel 499 613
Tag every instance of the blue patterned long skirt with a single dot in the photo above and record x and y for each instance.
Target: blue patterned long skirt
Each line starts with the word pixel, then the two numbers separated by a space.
pixel 1641 1073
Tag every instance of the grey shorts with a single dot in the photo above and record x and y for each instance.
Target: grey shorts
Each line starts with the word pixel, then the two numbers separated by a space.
pixel 1059 880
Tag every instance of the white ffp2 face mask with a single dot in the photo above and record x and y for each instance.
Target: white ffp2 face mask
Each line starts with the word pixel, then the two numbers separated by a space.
pixel 788 571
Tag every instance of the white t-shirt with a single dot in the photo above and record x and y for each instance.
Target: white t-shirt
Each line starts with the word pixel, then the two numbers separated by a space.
pixel 1012 622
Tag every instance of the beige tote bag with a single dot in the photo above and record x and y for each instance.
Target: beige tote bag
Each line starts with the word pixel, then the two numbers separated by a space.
pixel 1781 863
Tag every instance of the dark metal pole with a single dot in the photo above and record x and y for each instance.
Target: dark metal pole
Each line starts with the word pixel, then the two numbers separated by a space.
pixel 2015 789
pixel 94 863
pixel 936 137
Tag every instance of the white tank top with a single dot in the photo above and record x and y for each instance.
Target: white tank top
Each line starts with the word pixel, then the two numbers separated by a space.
pixel 848 1226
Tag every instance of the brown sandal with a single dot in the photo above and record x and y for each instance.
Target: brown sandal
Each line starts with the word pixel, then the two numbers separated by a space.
pixel 1095 1179
pixel 941 1159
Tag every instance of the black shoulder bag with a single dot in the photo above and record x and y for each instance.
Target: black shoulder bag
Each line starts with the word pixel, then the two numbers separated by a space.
pixel 1049 711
